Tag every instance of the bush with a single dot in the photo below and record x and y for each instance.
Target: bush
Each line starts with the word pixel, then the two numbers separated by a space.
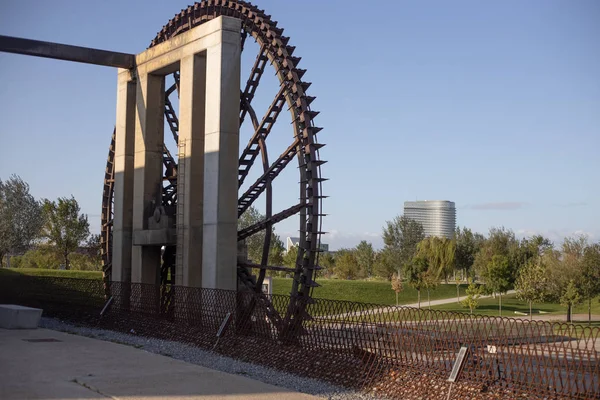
pixel 38 258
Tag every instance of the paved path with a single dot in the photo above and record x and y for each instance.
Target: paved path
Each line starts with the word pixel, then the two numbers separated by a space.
pixel 76 367
pixel 424 304
pixel 447 301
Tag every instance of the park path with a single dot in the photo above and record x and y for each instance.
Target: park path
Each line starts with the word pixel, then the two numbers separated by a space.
pixel 413 305
pixel 44 364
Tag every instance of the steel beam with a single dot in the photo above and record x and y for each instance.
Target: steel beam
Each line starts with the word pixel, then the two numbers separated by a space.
pixel 38 48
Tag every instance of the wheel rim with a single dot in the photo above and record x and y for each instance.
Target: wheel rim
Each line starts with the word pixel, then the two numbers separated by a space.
pixel 304 147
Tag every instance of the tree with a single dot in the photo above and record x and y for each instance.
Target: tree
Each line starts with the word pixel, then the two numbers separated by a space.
pixel 365 257
pixel 93 246
pixel 416 274
pixel 397 285
pixel 42 256
pixel 467 246
pixel 20 216
pixel 401 236
pixel 385 263
pixel 430 282
pixel 473 294
pixel 64 227
pixel 346 264
pixel 439 253
pixel 501 272
pixel 327 262
pixel 590 275
pixel 255 243
pixel 565 272
pixel 531 284
pixel 570 297
pixel 289 258
pixel 498 277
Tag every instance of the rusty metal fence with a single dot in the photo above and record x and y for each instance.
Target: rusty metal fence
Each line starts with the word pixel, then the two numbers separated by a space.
pixel 394 352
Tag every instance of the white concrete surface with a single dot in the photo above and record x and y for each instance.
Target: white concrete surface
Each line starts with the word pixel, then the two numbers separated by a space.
pixel 208 57
pixel 148 168
pixel 123 186
pixel 82 368
pixel 18 317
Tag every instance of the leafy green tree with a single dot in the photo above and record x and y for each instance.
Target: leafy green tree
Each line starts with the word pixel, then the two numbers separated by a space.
pixel 565 272
pixel 471 301
pixel 531 284
pixel 255 243
pixel 439 253
pixel 93 248
pixel 401 236
pixel 467 247
pixel 64 226
pixel 365 257
pixel 289 258
pixel 20 217
pixel 42 256
pixel 590 275
pixel 346 264
pixel 385 263
pixel 570 297
pixel 502 244
pixel 327 262
pixel 276 250
pixel 415 272
pixel 498 277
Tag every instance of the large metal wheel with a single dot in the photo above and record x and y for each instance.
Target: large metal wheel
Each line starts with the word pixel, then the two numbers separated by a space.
pixel 273 48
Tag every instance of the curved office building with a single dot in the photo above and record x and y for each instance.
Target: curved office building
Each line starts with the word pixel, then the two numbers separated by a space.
pixel 438 217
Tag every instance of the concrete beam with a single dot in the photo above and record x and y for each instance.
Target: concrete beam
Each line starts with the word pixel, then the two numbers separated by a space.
pixel 58 51
pixel 155 237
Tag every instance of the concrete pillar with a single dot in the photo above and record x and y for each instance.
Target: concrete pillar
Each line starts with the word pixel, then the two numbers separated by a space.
pixel 208 58
pixel 123 185
pixel 221 159
pixel 190 181
pixel 147 185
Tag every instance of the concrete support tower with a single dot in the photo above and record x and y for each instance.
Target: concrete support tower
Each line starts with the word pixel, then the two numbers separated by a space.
pixel 208 59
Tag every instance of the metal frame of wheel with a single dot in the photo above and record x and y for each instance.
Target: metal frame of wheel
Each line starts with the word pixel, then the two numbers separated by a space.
pixel 304 147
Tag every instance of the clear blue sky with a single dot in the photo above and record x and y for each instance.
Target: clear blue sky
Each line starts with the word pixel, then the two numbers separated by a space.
pixel 492 105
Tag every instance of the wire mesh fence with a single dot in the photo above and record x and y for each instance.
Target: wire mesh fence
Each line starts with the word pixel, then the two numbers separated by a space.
pixel 397 352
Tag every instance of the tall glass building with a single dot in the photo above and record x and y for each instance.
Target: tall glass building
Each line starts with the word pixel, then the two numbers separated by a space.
pixel 438 217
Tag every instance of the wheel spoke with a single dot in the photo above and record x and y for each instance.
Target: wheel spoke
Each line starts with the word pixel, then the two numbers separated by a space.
pixel 262 225
pixel 267 267
pixel 268 213
pixel 255 190
pixel 262 130
pixel 255 74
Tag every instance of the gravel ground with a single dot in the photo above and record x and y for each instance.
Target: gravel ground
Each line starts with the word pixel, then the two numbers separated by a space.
pixel 212 360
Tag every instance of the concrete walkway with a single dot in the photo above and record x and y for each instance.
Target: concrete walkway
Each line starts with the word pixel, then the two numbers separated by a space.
pixel 424 305
pixel 45 364
pixel 447 301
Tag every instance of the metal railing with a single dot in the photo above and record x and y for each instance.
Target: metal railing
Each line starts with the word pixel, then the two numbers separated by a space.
pixel 392 351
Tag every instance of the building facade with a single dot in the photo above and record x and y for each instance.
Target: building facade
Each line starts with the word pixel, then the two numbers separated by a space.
pixel 438 217
pixel 294 241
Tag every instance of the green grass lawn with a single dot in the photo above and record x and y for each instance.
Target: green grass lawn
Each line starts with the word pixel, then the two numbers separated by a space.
pixel 52 272
pixel 378 292
pixel 510 304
